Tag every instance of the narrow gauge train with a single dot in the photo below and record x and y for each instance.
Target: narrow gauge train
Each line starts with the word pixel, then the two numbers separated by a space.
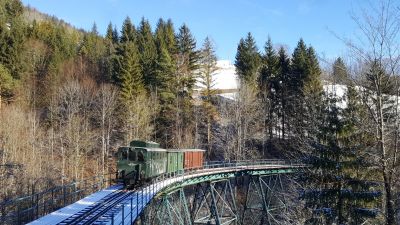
pixel 143 160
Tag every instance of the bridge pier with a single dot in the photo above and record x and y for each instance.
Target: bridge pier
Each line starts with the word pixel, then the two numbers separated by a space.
pixel 206 203
pixel 214 203
pixel 172 209
pixel 264 202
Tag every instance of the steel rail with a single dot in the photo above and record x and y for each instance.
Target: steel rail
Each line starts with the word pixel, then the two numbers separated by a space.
pixel 95 212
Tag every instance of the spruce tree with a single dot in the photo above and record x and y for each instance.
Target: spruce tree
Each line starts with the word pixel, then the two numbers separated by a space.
pixel 159 34
pixel 170 38
pixel 283 94
pixel 165 89
pixel 312 75
pixel 247 60
pixel 187 58
pixel 129 74
pixel 305 90
pixel 109 33
pixel 336 190
pixel 6 85
pixel 92 46
pixel 165 37
pixel 296 104
pixel 111 44
pixel 115 36
pixel 128 33
pixel 165 81
pixel 93 50
pixel 164 71
pixel 339 72
pixel 208 66
pixel 298 68
pixel 313 92
pixel 269 86
pixel 148 53
pixel 94 30
pixel 12 36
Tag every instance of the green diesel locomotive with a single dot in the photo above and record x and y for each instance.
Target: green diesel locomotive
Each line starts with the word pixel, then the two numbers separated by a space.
pixel 143 160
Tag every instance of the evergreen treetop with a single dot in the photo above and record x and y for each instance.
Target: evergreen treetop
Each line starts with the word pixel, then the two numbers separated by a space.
pixel 148 52
pixel 187 48
pixel 187 59
pixel 339 72
pixel 269 69
pixel 129 74
pixel 299 66
pixel 110 32
pixel 247 60
pixel 128 32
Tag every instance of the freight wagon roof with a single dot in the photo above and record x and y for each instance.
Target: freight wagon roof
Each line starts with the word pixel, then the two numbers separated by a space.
pixel 152 149
pixel 186 150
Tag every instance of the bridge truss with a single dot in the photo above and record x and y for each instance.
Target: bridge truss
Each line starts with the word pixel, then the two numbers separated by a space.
pixel 247 196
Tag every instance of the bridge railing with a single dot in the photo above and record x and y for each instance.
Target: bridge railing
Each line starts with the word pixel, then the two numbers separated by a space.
pixel 146 193
pixel 28 208
pixel 213 164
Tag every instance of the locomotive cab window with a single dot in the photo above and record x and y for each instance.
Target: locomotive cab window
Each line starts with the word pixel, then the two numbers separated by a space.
pixel 123 155
pixel 140 157
pixel 132 155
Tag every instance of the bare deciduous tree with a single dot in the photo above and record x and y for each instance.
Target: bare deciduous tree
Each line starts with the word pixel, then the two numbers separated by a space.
pixel 138 114
pixel 106 104
pixel 377 49
pixel 241 125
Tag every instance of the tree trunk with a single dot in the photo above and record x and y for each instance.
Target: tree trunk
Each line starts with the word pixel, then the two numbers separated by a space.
pixel 389 212
pixel 270 122
pixel 389 209
pixel 209 135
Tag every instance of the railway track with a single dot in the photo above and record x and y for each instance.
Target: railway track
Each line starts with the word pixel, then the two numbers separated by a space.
pixel 92 214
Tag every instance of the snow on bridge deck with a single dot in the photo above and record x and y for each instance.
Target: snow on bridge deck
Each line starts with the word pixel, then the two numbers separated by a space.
pixel 70 210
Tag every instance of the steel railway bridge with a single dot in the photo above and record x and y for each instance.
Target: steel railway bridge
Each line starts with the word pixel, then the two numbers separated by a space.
pixel 240 192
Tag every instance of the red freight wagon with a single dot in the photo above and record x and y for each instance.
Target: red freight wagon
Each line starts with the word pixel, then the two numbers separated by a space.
pixel 194 158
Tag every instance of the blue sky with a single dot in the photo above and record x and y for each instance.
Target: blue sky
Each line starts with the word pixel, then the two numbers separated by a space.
pixel 225 21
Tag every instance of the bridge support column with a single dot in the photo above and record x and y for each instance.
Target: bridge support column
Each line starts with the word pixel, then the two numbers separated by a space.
pixel 264 202
pixel 171 209
pixel 214 203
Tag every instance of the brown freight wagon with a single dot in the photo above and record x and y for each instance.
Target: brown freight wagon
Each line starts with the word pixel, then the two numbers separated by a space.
pixel 194 158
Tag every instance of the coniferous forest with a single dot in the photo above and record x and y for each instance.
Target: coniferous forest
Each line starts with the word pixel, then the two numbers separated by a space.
pixel 70 97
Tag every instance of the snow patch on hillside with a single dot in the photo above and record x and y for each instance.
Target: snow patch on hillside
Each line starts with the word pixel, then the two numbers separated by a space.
pixel 225 77
pixel 337 91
